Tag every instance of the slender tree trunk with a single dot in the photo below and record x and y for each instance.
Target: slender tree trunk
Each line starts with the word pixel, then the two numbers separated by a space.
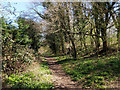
pixel 117 25
pixel 73 45
pixel 104 39
pixel 118 32
pixel 97 42
pixel 105 45
pixel 118 38
pixel 97 39
pixel 71 37
pixel 62 44
pixel 84 43
pixel 91 41
pixel 74 48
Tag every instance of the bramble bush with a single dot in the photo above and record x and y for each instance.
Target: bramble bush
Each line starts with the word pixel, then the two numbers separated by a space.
pixel 15 52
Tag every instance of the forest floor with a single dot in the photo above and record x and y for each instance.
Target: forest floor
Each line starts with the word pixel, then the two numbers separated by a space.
pixel 60 79
pixel 102 72
pixel 67 73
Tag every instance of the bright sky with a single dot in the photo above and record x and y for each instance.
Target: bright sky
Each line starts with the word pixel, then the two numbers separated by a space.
pixel 17 0
pixel 20 7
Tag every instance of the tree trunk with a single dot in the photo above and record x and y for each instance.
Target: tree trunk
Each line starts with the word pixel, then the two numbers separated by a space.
pixel 91 41
pixel 97 42
pixel 97 39
pixel 62 44
pixel 73 44
pixel 104 39
pixel 105 45
pixel 117 25
pixel 118 38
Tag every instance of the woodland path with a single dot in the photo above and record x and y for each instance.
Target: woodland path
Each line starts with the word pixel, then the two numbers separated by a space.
pixel 60 79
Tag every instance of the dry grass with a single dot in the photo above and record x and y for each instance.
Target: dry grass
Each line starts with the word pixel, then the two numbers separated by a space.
pixel 42 74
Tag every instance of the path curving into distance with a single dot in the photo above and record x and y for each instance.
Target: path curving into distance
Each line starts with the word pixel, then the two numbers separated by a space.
pixel 60 79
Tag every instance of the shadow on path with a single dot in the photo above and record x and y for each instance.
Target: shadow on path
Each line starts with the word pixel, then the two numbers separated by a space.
pixel 60 79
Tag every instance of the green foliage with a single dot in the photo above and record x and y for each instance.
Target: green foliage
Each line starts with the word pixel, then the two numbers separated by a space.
pixel 94 73
pixel 26 80
pixel 15 61
pixel 15 50
pixel 37 76
pixel 53 41
pixel 17 57
pixel 20 35
pixel 31 30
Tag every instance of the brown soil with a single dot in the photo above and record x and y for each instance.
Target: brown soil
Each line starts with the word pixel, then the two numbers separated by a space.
pixel 60 79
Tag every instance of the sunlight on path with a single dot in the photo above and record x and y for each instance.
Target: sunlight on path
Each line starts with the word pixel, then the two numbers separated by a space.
pixel 60 79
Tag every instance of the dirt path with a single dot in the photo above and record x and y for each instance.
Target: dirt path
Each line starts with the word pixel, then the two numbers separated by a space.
pixel 60 79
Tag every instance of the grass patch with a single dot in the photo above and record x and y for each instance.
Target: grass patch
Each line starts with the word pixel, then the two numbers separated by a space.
pixel 93 73
pixel 59 58
pixel 36 76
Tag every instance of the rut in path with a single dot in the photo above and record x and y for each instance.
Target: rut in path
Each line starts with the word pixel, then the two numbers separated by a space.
pixel 60 79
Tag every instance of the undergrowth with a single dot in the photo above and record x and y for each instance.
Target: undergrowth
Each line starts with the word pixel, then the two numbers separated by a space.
pixel 93 73
pixel 37 76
